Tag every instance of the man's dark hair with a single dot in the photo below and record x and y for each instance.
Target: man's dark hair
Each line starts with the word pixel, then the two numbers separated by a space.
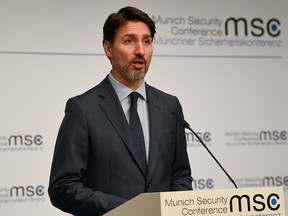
pixel 117 20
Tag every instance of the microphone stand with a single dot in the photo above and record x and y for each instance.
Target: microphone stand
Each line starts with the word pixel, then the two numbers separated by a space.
pixel 186 125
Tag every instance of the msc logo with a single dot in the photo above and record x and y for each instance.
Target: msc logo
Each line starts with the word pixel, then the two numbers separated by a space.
pixel 275 181
pixel 258 202
pixel 273 135
pixel 255 27
pixel 27 140
pixel 17 193
pixel 28 191
pixel 202 184
pixel 206 136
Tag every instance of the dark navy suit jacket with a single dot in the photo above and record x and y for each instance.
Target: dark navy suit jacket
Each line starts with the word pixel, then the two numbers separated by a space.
pixel 95 166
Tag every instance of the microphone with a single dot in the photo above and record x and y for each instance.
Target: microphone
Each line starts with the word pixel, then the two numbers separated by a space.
pixel 185 124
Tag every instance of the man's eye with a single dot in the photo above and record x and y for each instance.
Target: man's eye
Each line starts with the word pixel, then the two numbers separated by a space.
pixel 128 41
pixel 147 42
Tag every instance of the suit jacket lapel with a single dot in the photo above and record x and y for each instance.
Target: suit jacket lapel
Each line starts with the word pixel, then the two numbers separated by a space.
pixel 155 112
pixel 112 108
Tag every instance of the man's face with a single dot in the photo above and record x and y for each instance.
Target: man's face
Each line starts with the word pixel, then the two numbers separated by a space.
pixel 130 52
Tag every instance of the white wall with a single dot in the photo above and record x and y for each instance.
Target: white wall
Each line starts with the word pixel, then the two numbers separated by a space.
pixel 51 50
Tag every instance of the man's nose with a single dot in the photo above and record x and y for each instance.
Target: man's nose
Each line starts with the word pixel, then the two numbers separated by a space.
pixel 139 49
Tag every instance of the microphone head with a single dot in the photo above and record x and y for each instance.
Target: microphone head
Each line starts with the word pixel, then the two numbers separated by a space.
pixel 181 120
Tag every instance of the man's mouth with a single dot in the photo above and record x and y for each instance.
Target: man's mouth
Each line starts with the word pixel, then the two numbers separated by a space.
pixel 138 63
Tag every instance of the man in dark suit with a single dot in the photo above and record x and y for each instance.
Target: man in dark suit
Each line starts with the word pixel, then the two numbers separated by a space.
pixel 97 164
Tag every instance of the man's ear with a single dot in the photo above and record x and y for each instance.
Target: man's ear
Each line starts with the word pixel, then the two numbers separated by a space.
pixel 107 48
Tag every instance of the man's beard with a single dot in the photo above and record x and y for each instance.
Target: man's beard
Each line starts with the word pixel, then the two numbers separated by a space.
pixel 131 73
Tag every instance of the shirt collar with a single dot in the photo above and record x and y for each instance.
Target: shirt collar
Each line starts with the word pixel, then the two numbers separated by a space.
pixel 123 91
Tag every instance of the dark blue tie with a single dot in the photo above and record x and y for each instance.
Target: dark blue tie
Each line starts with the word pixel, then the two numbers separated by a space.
pixel 136 128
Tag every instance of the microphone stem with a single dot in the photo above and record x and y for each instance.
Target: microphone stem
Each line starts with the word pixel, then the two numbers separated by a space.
pixel 213 156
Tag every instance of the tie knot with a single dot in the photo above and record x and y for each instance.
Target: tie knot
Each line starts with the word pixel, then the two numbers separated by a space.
pixel 134 97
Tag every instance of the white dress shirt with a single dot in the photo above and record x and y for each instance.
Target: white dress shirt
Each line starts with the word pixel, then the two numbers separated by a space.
pixel 123 92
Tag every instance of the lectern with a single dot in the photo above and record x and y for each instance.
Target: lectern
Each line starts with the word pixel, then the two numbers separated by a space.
pixel 229 202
